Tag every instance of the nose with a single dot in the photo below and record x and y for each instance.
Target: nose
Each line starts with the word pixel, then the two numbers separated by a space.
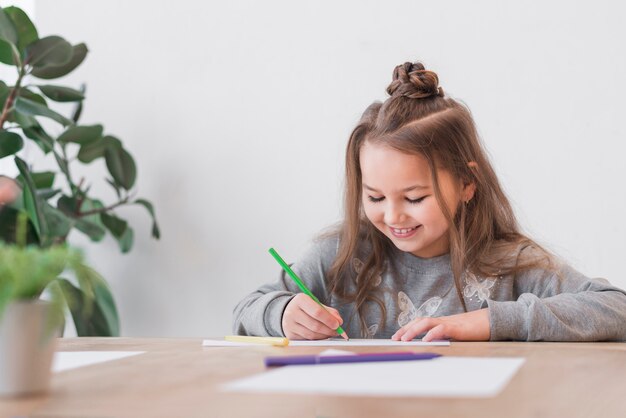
pixel 394 215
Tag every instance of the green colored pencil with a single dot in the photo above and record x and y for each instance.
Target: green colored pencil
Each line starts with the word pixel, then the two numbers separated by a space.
pixel 302 287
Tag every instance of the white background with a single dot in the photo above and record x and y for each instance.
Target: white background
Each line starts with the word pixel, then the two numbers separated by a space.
pixel 237 114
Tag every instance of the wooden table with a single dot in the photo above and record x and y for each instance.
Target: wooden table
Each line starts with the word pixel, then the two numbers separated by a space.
pixel 180 378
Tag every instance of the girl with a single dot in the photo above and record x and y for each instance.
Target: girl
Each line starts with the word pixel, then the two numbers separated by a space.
pixel 429 245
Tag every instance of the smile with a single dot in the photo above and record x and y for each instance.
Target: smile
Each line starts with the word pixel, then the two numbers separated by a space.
pixel 403 232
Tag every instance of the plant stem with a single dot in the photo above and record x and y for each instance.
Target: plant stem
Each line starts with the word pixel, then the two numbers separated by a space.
pixel 9 103
pixel 67 172
pixel 81 196
pixel 20 229
pixel 102 210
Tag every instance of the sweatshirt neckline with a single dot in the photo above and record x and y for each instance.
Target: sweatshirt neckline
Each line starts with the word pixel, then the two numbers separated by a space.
pixel 423 264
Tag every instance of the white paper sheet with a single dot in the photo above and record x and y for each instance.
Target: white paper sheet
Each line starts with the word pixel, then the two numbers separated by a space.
pixel 333 352
pixel 67 360
pixel 224 343
pixel 337 342
pixel 340 342
pixel 439 377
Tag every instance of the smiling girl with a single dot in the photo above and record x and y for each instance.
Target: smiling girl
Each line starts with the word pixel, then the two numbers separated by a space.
pixel 429 245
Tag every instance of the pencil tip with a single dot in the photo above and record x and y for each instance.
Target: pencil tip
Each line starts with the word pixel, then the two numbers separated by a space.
pixel 345 336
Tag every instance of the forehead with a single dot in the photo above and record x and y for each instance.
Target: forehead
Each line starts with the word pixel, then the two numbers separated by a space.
pixel 385 167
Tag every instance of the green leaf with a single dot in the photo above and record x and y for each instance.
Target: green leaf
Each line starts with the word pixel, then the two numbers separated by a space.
pixel 37 134
pixel 115 225
pixel 156 233
pixel 106 304
pixel 59 225
pixel 94 231
pixel 26 31
pixel 47 194
pixel 78 109
pixel 79 52
pixel 120 230
pixel 101 319
pixel 67 205
pixel 51 50
pixel 32 108
pixel 82 135
pixel 90 152
pixel 25 121
pixel 8 52
pixel 4 93
pixel 91 225
pixel 61 94
pixel 27 94
pixel 126 241
pixel 31 202
pixel 43 180
pixel 7 29
pixel 121 166
pixel 96 149
pixel 10 143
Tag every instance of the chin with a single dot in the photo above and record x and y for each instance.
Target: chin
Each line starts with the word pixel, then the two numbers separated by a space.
pixel 408 247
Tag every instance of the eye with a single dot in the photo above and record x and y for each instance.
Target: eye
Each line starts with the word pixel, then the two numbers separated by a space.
pixel 376 199
pixel 416 201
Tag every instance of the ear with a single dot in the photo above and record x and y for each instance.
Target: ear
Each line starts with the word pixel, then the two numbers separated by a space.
pixel 467 192
pixel 469 188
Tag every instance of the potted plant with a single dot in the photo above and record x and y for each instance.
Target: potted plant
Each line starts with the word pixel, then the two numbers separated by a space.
pixel 29 325
pixel 58 202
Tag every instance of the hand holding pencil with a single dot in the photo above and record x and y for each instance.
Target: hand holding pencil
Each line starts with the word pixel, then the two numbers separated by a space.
pixel 305 317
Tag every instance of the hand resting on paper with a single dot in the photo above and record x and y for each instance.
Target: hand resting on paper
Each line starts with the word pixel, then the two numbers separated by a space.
pixel 469 326
pixel 304 319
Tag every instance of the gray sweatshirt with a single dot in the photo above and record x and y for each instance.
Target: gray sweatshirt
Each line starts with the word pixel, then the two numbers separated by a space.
pixel 529 306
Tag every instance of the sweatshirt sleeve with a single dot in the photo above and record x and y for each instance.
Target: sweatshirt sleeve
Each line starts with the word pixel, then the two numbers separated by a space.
pixel 560 306
pixel 261 312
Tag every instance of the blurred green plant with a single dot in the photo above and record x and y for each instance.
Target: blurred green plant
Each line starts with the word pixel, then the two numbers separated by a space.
pixel 26 271
pixel 54 210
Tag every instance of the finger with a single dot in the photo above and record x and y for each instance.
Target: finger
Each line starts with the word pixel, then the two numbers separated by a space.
pixel 314 310
pixel 294 336
pixel 437 333
pixel 334 312
pixel 417 328
pixel 314 325
pixel 308 334
pixel 403 329
pixel 397 335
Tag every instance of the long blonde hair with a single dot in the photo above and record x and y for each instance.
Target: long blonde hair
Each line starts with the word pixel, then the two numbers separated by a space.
pixel 418 118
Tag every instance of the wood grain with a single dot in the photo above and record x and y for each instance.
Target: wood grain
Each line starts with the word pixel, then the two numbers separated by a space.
pixel 180 378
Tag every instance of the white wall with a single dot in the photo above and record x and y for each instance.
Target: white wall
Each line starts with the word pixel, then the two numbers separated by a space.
pixel 238 113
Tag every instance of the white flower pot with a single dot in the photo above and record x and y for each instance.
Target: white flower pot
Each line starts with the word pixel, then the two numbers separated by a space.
pixel 27 345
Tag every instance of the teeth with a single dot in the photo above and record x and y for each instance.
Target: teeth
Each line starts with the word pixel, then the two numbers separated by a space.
pixel 402 231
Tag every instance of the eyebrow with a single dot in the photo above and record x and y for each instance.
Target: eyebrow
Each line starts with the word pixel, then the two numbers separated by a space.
pixel 408 189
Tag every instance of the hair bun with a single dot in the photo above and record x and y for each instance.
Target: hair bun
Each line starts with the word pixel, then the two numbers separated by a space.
pixel 412 80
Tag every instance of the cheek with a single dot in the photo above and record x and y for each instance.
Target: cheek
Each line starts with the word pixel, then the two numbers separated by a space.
pixel 431 213
pixel 374 212
pixel 371 212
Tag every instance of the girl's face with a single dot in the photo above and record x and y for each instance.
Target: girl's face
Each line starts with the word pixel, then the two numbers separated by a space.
pixel 399 199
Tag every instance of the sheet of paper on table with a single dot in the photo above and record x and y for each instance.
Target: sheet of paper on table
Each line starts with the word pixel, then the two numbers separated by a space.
pixel 336 342
pixel 67 360
pixel 439 377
